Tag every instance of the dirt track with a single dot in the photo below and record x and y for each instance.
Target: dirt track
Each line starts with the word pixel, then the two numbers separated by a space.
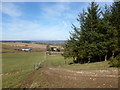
pixel 63 78
pixel 60 78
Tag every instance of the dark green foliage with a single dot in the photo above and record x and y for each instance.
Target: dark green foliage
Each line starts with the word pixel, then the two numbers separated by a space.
pixel 115 19
pixel 97 37
pixel 115 62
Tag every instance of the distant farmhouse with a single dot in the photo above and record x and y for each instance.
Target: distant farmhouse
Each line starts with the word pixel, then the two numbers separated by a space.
pixel 53 50
pixel 26 49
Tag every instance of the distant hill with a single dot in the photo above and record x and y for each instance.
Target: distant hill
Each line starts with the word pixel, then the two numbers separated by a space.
pixel 37 41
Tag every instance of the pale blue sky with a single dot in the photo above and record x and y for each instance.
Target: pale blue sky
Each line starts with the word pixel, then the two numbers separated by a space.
pixel 40 20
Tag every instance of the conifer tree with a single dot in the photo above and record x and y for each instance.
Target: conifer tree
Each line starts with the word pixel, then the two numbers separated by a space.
pixel 89 30
pixel 83 39
pixel 115 19
pixel 96 38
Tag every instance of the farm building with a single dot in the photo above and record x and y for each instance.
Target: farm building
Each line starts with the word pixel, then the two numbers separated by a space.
pixel 53 50
pixel 26 49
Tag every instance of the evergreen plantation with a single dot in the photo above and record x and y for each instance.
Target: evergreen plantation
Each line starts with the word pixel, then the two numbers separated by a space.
pixel 98 36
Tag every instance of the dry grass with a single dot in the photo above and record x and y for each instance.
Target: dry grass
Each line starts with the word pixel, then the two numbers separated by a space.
pixel 24 44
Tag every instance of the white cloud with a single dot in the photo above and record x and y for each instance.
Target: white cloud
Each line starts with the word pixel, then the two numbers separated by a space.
pixel 25 29
pixel 33 30
pixel 58 13
pixel 54 11
pixel 11 9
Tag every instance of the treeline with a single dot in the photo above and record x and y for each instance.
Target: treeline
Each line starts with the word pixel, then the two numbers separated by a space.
pixel 20 41
pixel 98 36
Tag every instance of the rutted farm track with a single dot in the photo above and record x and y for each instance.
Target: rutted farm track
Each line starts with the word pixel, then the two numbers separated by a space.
pixel 64 78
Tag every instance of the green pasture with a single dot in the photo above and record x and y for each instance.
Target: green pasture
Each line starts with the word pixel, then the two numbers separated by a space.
pixel 89 66
pixel 16 67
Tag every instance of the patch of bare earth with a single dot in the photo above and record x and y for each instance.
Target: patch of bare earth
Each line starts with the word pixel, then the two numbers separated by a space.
pixel 24 44
pixel 28 81
pixel 18 45
pixel 63 78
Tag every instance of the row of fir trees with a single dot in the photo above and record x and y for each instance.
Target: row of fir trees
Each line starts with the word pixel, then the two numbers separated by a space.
pixel 98 36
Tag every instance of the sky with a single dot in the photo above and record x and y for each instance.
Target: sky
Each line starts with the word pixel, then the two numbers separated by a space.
pixel 40 20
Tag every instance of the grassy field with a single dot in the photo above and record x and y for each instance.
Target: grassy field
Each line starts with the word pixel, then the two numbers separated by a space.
pixel 90 66
pixel 18 66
